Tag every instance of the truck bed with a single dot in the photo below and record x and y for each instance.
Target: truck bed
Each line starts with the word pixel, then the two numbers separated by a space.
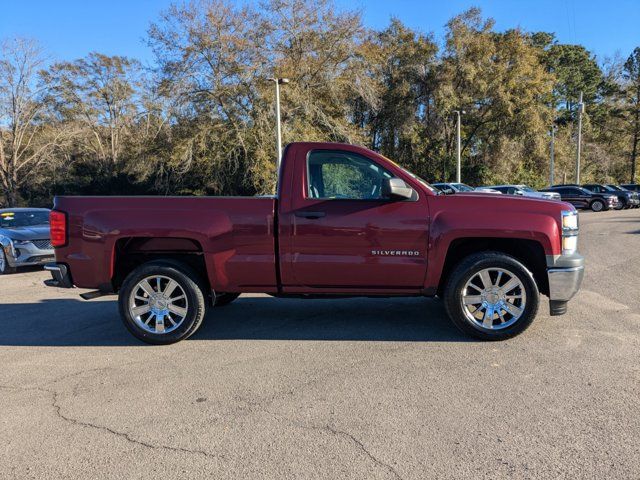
pixel 234 234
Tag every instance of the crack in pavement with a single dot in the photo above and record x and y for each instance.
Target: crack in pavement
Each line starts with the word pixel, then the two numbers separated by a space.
pixel 126 436
pixel 362 447
pixel 339 433
pixel 58 410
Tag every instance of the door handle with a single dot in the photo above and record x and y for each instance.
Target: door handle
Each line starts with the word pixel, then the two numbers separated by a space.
pixel 310 215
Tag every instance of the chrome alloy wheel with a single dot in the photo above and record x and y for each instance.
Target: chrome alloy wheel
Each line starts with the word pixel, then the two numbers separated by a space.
pixel 493 299
pixel 158 304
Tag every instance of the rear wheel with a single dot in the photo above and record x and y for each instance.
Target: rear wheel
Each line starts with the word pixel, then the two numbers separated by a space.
pixel 161 303
pixel 597 205
pixel 4 264
pixel 491 296
pixel 225 298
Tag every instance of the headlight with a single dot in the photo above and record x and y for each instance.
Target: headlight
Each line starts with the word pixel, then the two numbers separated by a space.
pixel 569 232
pixel 569 220
pixel 20 242
pixel 569 244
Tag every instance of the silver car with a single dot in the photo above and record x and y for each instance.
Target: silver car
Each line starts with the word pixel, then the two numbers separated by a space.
pixel 24 238
pixel 525 191
pixel 454 187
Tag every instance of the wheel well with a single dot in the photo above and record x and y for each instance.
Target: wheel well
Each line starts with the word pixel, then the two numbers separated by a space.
pixel 529 252
pixel 132 252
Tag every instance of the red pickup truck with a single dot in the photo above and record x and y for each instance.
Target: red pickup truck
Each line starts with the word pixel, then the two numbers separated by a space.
pixel 346 221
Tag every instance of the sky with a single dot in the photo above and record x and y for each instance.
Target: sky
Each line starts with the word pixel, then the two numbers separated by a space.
pixel 70 29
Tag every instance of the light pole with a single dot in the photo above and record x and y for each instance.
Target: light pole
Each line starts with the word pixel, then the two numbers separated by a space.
pixel 458 146
pixel 552 152
pixel 278 82
pixel 579 146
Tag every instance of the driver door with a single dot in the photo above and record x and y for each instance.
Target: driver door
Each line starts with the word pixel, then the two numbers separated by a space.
pixel 345 235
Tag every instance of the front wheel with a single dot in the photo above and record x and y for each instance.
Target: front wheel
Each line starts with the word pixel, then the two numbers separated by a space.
pixel 597 205
pixel 491 296
pixel 4 264
pixel 161 303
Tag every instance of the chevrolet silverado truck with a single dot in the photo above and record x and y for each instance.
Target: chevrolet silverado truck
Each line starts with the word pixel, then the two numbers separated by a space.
pixel 346 221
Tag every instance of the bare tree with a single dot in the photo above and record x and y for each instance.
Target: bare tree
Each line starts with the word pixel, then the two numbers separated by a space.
pixel 25 140
pixel 98 94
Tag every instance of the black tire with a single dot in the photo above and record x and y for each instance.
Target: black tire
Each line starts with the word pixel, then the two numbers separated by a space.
pixel 598 206
pixel 225 298
pixel 466 270
pixel 187 279
pixel 620 206
pixel 5 269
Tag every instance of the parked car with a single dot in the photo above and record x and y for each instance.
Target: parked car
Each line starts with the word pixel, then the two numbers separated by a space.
pixel 462 187
pixel 635 195
pixel 582 198
pixel 634 187
pixel 24 238
pixel 626 199
pixel 346 221
pixel 525 191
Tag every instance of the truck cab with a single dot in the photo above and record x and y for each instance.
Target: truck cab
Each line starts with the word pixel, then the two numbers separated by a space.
pixel 345 221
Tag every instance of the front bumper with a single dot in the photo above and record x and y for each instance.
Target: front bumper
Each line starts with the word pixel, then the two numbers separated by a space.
pixel 565 276
pixel 27 254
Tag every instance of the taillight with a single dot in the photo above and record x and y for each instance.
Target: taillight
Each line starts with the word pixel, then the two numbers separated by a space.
pixel 58 226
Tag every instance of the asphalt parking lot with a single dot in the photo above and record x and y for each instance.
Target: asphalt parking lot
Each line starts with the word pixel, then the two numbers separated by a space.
pixel 360 388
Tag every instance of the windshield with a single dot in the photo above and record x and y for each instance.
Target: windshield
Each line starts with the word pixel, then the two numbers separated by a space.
pixel 21 218
pixel 608 188
pixel 618 189
pixel 526 189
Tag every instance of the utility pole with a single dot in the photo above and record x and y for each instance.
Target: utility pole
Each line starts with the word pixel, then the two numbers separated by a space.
pixel 458 147
pixel 278 82
pixel 579 146
pixel 552 157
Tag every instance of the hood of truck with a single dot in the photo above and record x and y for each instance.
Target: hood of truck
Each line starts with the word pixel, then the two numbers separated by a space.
pixel 506 207
pixel 521 201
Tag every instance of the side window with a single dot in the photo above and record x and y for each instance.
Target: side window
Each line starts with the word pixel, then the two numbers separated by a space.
pixel 344 175
pixel 511 191
pixel 575 191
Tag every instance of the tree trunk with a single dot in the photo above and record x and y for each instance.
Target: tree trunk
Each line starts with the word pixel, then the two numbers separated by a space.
pixel 10 194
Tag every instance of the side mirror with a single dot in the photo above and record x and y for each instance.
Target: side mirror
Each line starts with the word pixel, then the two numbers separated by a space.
pixel 396 188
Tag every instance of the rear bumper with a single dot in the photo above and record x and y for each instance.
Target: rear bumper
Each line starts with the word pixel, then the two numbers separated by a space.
pixel 59 275
pixel 565 276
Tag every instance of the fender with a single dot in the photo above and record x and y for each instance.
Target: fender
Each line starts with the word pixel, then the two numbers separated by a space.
pixel 473 216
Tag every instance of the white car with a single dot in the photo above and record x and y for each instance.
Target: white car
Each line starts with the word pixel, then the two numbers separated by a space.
pixel 463 187
pixel 525 191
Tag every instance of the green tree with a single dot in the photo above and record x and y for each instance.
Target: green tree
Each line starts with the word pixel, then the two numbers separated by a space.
pixel 497 78
pixel 632 96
